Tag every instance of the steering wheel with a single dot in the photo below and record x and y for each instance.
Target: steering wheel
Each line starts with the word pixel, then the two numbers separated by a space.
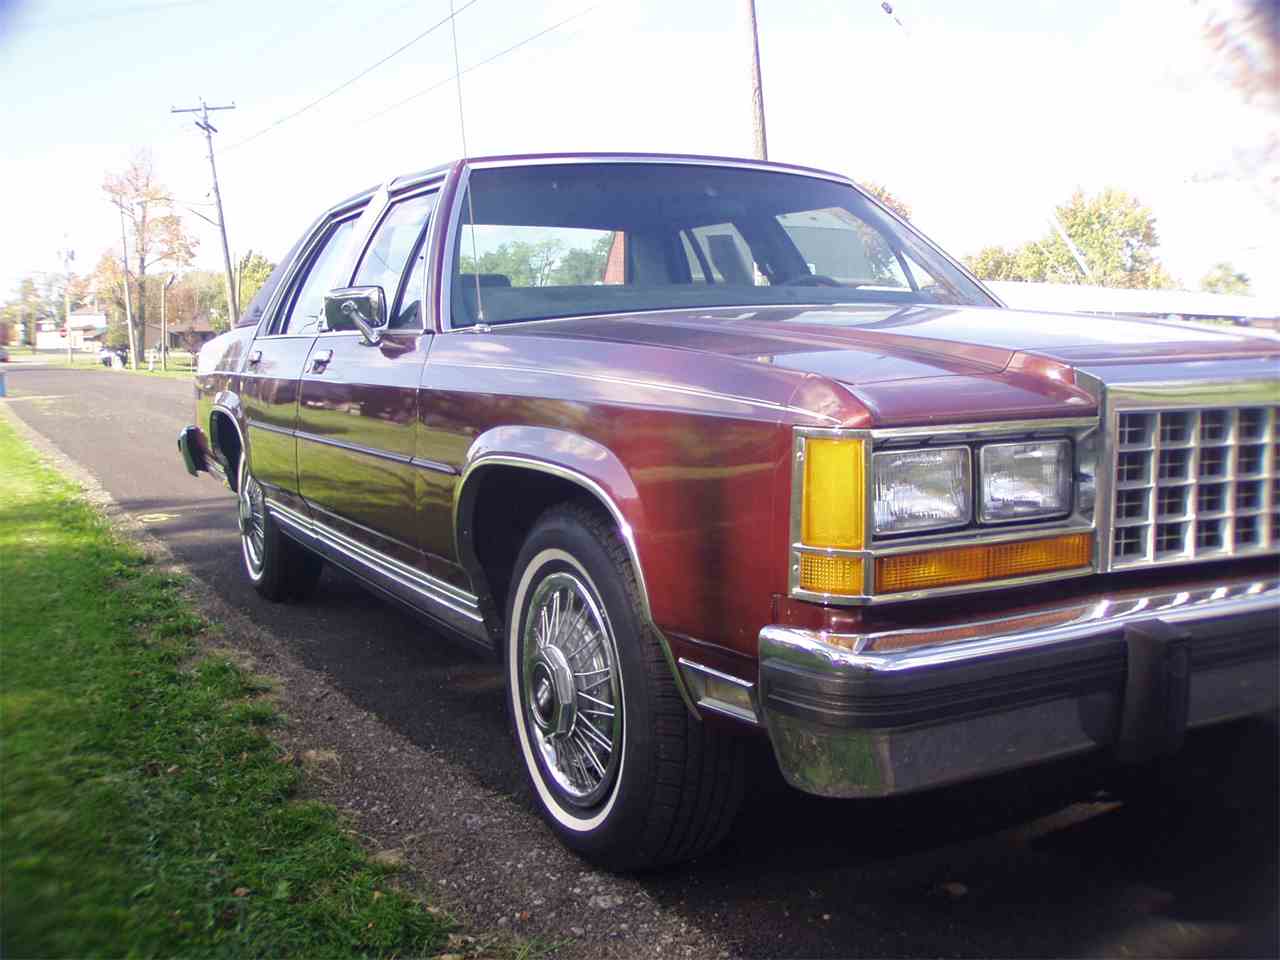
pixel 810 280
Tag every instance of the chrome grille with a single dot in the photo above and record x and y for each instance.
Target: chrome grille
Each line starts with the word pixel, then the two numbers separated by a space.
pixel 1195 484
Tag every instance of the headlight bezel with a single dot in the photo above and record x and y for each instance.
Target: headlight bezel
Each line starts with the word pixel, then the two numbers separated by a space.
pixel 1083 437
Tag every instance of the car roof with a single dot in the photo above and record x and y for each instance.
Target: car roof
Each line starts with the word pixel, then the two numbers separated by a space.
pixel 409 179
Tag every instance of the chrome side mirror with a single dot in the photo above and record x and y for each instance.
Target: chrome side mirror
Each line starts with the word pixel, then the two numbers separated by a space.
pixel 357 308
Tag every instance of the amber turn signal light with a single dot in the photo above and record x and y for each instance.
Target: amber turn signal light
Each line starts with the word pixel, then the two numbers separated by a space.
pixel 832 506
pixel 821 573
pixel 998 561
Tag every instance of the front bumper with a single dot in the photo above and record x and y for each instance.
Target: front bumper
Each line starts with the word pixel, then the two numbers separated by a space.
pixel 862 715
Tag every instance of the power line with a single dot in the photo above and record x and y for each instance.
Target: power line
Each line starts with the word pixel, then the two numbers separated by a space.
pixel 363 73
pixel 476 66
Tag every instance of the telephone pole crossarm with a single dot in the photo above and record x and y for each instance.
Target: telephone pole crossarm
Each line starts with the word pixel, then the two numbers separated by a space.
pixel 233 305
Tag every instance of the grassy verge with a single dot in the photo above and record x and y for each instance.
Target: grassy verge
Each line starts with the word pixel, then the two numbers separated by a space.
pixel 180 366
pixel 143 810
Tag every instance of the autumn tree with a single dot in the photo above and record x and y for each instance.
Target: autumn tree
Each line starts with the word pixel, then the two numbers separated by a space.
pixel 881 193
pixel 1224 278
pixel 156 230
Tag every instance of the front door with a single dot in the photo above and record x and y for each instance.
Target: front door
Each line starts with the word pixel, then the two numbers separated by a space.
pixel 358 405
pixel 274 365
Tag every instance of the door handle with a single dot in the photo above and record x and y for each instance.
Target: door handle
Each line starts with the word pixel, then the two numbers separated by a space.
pixel 320 359
pixel 255 358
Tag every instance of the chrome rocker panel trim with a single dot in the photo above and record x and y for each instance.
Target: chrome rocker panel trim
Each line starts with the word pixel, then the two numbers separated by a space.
pixel 850 718
pixel 443 602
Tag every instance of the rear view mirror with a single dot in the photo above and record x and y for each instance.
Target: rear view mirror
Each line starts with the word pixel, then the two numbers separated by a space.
pixel 357 308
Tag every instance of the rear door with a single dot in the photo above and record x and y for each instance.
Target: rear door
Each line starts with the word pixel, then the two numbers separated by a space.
pixel 358 411
pixel 273 368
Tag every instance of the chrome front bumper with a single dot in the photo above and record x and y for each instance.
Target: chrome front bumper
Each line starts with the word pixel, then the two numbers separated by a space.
pixel 862 715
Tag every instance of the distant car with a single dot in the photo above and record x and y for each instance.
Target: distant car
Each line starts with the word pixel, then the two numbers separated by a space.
pixel 106 355
pixel 4 354
pixel 704 449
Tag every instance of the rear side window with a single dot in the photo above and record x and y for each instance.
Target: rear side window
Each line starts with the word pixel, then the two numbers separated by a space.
pixel 322 276
pixel 394 243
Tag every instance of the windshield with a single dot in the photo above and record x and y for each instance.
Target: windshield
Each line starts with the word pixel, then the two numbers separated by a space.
pixel 577 239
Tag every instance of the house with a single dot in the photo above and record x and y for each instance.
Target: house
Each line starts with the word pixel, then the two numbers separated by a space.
pixel 86 329
pixel 190 334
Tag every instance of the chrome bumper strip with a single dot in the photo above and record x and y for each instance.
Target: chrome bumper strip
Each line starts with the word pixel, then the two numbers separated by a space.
pixel 891 712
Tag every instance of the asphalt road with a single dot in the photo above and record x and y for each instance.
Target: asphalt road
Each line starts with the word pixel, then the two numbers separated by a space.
pixel 1053 863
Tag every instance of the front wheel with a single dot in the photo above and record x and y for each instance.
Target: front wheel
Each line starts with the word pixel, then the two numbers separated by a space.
pixel 619 769
pixel 279 568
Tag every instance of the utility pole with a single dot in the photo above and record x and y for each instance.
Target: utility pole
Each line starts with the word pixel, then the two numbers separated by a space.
pixel 164 322
pixel 128 309
pixel 67 256
pixel 209 130
pixel 757 86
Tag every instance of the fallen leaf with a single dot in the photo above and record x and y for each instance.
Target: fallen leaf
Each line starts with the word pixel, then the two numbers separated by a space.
pixel 174 769
pixel 240 891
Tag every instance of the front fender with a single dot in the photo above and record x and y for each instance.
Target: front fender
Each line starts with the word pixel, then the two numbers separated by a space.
pixel 571 456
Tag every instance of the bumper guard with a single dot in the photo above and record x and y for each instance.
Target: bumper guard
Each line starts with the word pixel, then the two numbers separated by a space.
pixel 862 715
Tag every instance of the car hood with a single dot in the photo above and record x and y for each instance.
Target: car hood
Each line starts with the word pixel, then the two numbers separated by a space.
pixel 929 364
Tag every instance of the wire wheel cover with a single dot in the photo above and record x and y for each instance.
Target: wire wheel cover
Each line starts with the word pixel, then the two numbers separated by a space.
pixel 253 523
pixel 569 688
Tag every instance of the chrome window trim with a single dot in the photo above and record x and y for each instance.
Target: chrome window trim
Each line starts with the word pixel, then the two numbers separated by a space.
pixel 448 243
pixel 1075 429
pixel 404 195
pixel 1158 396
pixel 285 288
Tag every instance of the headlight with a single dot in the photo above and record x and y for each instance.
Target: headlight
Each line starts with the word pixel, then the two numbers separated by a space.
pixel 1025 481
pixel 919 490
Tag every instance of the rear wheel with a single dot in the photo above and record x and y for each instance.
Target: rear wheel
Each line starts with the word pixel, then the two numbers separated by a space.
pixel 279 568
pixel 619 769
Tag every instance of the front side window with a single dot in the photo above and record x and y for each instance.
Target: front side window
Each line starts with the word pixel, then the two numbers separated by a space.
pixel 578 239
pixel 322 276
pixel 395 242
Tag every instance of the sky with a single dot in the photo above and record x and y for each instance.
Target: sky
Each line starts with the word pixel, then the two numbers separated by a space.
pixel 982 115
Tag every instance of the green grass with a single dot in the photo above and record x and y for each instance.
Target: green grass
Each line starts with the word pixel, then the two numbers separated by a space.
pixel 143 809
pixel 180 365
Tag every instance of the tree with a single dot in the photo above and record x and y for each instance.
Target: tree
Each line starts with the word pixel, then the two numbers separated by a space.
pixel 107 282
pixel 1224 278
pixel 881 193
pixel 1116 236
pixel 994 263
pixel 158 234
pixel 254 270
pixel 583 266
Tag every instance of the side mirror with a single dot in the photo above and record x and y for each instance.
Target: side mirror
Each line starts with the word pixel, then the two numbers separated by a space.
pixel 357 308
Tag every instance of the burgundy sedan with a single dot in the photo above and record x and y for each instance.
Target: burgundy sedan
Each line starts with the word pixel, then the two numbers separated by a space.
pixel 706 449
